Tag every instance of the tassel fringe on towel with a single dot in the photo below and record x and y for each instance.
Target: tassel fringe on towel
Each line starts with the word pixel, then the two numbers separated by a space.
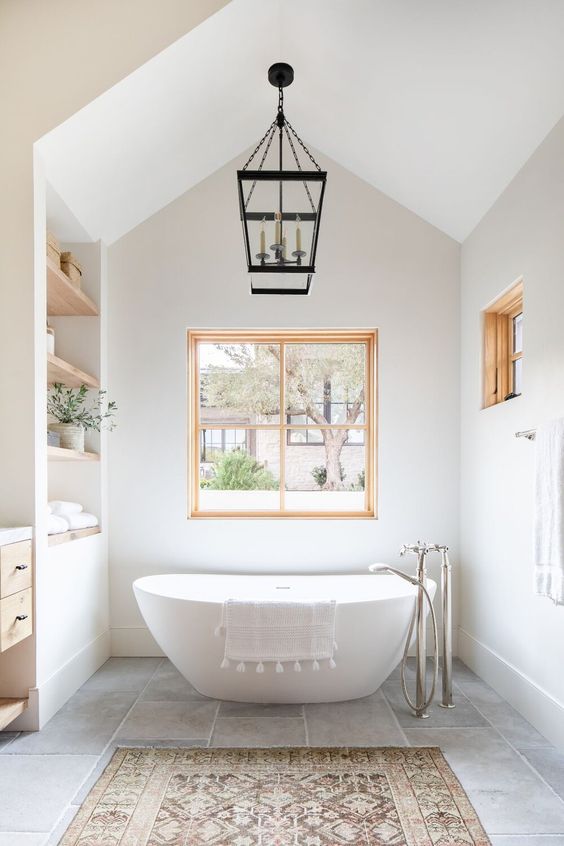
pixel 278 633
pixel 242 666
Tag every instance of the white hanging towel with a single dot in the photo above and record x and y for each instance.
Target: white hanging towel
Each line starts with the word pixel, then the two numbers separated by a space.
pixel 549 511
pixel 278 632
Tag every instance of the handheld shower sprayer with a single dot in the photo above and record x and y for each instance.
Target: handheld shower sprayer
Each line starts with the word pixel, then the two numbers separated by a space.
pixel 383 568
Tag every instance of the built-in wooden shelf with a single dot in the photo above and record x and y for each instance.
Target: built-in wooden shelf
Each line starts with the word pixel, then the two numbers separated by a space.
pixel 10 709
pixel 63 298
pixel 65 537
pixel 59 370
pixel 60 454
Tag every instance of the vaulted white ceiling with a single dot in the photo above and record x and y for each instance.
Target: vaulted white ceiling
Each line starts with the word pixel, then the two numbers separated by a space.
pixel 437 103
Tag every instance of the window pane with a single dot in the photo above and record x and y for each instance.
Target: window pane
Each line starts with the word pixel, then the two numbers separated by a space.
pixel 235 439
pixel 334 373
pixel 517 376
pixel 326 477
pixel 239 383
pixel 338 412
pixel 244 477
pixel 314 436
pixel 297 419
pixel 518 333
pixel 356 436
pixel 297 436
pixel 210 441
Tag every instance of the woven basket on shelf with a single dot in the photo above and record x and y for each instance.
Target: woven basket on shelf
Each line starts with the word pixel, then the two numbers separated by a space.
pixel 72 268
pixel 53 249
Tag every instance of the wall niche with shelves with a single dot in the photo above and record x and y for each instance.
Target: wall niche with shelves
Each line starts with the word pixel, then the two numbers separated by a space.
pixel 74 315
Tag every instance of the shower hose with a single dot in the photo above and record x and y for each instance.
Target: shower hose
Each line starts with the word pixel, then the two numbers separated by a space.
pixel 382 568
pixel 424 705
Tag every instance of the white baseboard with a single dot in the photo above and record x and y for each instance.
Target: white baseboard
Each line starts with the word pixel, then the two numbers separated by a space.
pixel 46 699
pixel 541 709
pixel 134 642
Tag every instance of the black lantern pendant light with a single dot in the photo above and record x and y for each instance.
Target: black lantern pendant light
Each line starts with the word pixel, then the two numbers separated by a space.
pixel 281 209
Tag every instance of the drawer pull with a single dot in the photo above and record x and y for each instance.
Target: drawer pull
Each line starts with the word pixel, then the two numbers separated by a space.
pixel 21 566
pixel 21 617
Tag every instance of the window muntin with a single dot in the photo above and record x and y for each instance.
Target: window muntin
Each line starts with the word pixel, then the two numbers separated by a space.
pixel 239 383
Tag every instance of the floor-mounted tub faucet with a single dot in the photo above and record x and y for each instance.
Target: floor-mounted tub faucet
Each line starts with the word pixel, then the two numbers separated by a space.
pixel 422 700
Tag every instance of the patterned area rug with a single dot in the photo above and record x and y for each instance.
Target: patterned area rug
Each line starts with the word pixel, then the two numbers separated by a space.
pixel 277 797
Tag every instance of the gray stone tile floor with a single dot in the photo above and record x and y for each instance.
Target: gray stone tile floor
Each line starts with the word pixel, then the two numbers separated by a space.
pixel 513 776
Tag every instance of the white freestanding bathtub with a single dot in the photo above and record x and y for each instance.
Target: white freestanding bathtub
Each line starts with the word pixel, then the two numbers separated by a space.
pixel 373 614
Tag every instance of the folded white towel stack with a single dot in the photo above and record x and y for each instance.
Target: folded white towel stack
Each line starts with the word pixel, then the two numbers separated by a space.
pixel 278 632
pixel 549 511
pixel 82 520
pixel 61 507
pixel 66 516
pixel 56 525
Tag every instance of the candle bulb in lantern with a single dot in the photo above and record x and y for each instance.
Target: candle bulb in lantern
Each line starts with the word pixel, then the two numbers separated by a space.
pixel 262 238
pixel 278 228
pixel 283 246
pixel 298 234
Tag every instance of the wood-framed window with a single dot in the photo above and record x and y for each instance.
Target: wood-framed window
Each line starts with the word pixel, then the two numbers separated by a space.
pixel 266 436
pixel 503 347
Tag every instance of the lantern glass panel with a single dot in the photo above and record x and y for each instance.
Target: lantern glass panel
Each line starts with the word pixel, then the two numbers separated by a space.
pixel 296 230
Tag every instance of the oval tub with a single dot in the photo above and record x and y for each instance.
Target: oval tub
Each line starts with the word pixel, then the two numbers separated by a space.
pixel 373 614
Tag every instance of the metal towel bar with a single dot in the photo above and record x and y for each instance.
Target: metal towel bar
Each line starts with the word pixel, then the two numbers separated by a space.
pixel 530 434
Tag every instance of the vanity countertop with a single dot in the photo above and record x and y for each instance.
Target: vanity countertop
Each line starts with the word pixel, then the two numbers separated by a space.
pixel 13 534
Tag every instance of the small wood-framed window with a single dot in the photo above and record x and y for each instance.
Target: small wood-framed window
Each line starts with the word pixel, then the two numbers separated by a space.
pixel 282 423
pixel 503 347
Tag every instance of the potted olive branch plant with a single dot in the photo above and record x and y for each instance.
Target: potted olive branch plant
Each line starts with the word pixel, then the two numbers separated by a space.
pixel 68 407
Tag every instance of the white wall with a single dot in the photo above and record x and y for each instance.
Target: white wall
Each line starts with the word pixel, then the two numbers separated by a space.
pixel 379 265
pixel 512 638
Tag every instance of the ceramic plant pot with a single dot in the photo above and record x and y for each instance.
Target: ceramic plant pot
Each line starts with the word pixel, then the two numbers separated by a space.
pixel 72 436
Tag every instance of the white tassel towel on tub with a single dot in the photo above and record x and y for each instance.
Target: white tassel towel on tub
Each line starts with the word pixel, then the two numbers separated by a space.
pixel 549 511
pixel 278 633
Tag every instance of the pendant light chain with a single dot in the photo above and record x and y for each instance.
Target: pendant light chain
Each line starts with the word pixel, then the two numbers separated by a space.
pixel 272 130
pixel 293 149
pixel 259 145
pixel 301 143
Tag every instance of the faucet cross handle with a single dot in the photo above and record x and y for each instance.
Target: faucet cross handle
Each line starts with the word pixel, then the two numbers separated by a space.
pixel 422 548
pixel 413 548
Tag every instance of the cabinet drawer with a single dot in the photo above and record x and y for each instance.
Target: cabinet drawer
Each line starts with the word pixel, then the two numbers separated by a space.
pixel 12 629
pixel 15 567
